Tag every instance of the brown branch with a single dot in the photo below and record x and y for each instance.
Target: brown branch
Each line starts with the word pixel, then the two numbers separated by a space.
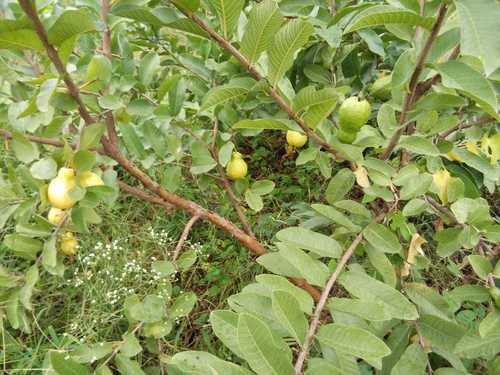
pixel 313 326
pixel 251 69
pixel 481 122
pixel 184 235
pixel 30 11
pixel 410 97
pixel 142 195
pixel 113 151
pixel 227 185
pixel 445 211
pixel 42 140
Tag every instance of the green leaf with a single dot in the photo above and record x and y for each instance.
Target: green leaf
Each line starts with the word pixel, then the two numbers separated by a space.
pixel 383 265
pixel 368 310
pixel 99 68
pixel 287 311
pixel 189 5
pixel 287 41
pixel 442 333
pixel 135 12
pixel 260 348
pixel 412 362
pixel 228 13
pixel 269 123
pixel 91 135
pixel 44 169
pixel 262 187
pixel 479 30
pixel 148 67
pixel 459 76
pixel 373 41
pixel 309 268
pixel 20 39
pixel 23 246
pixel 339 185
pixel 449 241
pixel 84 160
pixel 127 366
pixel 201 363
pixel 365 287
pixel 481 266
pixel 336 216
pixel 474 346
pixel 63 365
pixel 275 282
pixel 176 96
pixel 319 366
pixel 490 326
pixel 387 15
pixel 316 105
pixel 47 88
pixel 65 26
pixel 353 341
pixel 132 141
pixel 130 345
pixel 24 150
pixel 183 305
pixel 30 279
pixel 469 293
pixel 307 239
pixel 163 267
pixel 419 145
pixel 223 94
pixel 263 22
pixel 202 160
pixel 224 324
pixel 428 300
pixel 382 239
pixel 254 200
pixel 91 353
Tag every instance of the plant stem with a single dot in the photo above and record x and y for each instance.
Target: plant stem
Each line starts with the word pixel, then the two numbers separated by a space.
pixel 410 97
pixel 313 326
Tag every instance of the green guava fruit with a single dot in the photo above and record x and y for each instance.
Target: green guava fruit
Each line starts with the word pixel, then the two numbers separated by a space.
pixel 354 113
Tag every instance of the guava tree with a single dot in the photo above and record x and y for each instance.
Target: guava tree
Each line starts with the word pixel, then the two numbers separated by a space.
pixel 392 104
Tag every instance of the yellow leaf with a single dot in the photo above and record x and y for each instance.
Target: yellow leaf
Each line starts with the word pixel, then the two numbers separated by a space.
pixel 415 248
pixel 472 147
pixel 362 177
pixel 452 156
pixel 442 180
pixel 491 147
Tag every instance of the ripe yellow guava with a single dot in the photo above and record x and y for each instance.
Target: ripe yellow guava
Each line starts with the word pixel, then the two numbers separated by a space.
pixel 237 167
pixel 59 188
pixel 55 215
pixel 69 244
pixel 89 178
pixel 296 139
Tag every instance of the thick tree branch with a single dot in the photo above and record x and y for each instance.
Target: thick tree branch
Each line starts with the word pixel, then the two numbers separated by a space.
pixel 113 151
pixel 410 97
pixel 313 326
pixel 441 209
pixel 251 69
pixel 42 140
pixel 481 122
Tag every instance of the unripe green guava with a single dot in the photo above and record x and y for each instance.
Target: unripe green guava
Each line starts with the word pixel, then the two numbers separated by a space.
pixel 381 88
pixel 354 113
pixel 346 136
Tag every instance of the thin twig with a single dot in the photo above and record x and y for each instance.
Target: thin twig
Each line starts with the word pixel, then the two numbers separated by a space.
pixel 482 121
pixel 313 326
pixel 445 211
pixel 410 97
pixel 184 236
pixel 227 185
